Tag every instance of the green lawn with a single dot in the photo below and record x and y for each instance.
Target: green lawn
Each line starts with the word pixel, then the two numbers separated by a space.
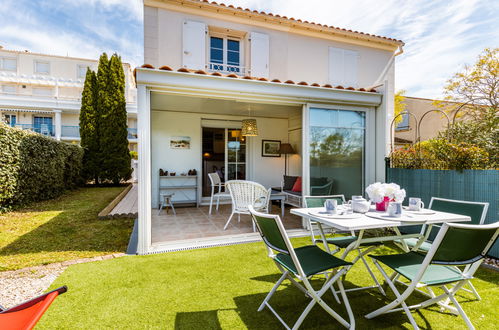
pixel 221 288
pixel 62 229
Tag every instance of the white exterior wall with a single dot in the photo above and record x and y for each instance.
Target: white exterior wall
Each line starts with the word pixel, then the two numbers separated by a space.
pixel 292 56
pixel 164 124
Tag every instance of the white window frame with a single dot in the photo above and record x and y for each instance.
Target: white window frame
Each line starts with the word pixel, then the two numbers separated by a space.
pixel 78 68
pixel 2 63
pixel 225 51
pixel 36 62
pixel 370 142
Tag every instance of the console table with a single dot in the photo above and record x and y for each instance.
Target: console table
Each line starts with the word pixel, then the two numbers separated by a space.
pixel 183 187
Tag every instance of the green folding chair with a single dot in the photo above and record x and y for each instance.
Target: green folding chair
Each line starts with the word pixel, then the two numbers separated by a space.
pixel 477 211
pixel 302 263
pixel 341 242
pixel 455 245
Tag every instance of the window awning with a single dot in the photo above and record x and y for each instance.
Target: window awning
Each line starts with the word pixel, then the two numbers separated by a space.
pixel 25 110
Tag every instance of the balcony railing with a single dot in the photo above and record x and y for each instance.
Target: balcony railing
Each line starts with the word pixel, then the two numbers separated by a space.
pixel 70 131
pixel 44 129
pixel 226 68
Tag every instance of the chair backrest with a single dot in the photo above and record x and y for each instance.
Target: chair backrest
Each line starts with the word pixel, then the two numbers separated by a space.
pixel 214 179
pixel 268 227
pixel 244 193
pixel 318 201
pixel 477 211
pixel 325 189
pixel 462 244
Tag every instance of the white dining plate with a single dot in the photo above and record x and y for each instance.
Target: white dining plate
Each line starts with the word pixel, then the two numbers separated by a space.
pixel 420 212
pixel 385 216
pixel 323 214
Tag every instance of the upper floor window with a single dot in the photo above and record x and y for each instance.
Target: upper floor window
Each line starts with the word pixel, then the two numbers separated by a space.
pixel 225 54
pixel 404 124
pixel 8 63
pixel 82 71
pixel 42 67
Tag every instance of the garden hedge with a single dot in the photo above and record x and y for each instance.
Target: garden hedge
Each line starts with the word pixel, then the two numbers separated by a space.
pixel 34 167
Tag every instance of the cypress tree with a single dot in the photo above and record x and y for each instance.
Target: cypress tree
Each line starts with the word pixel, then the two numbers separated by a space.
pixel 116 160
pixel 88 128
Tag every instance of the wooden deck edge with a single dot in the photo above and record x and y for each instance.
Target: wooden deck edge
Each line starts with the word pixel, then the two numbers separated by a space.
pixel 104 214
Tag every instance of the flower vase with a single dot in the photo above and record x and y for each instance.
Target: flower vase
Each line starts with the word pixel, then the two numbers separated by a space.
pixel 382 206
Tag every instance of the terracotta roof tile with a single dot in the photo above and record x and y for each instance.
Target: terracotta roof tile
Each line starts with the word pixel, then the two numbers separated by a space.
pixel 262 79
pixel 166 68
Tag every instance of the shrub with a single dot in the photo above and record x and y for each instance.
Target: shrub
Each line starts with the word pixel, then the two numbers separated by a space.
pixel 439 154
pixel 34 167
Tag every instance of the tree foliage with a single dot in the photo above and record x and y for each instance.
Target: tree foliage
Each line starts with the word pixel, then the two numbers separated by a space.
pixel 114 138
pixel 103 123
pixel 399 106
pixel 89 130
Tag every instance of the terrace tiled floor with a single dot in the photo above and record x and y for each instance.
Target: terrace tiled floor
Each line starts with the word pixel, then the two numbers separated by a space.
pixel 192 222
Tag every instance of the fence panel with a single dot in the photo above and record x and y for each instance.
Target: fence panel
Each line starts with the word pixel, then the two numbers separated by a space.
pixel 469 185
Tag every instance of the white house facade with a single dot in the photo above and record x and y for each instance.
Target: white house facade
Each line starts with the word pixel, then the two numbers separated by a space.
pixel 326 91
pixel 42 93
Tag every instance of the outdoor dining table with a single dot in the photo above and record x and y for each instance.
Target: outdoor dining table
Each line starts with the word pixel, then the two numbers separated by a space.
pixel 378 220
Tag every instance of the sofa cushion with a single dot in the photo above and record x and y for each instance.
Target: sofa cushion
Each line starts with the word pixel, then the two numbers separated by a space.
pixel 297 186
pixel 289 182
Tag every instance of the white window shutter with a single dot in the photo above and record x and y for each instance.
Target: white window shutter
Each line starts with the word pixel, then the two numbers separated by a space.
pixel 343 67
pixel 194 45
pixel 350 60
pixel 336 67
pixel 259 55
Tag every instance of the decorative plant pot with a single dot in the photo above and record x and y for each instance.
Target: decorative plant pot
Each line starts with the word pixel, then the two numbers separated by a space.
pixel 382 206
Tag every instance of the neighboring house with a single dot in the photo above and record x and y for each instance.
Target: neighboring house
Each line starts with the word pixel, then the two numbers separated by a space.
pixel 325 90
pixel 42 93
pixel 432 123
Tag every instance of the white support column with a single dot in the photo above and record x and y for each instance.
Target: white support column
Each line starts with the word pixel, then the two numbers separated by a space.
pixel 58 124
pixel 144 173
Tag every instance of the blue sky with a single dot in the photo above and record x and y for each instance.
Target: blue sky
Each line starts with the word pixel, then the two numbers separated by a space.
pixel 440 36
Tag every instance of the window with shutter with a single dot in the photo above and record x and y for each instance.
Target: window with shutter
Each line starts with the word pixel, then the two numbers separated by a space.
pixel 225 54
pixel 259 55
pixel 343 65
pixel 194 45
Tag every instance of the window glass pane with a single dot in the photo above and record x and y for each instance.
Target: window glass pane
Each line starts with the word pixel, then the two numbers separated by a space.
pixel 216 56
pixel 9 64
pixel 42 67
pixel 233 45
pixel 217 43
pixel 336 152
pixel 82 71
pixel 404 124
pixel 233 58
pixel 9 88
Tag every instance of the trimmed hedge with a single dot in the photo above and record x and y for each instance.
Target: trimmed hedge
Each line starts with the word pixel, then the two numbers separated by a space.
pixel 34 167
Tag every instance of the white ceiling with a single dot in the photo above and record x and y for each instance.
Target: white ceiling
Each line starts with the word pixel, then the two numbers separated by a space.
pixel 166 102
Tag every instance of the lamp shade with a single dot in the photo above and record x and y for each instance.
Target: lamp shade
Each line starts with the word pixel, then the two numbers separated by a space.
pixel 286 148
pixel 249 127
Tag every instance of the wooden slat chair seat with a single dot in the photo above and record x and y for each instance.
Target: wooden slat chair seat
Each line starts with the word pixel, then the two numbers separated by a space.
pixel 455 245
pixel 301 263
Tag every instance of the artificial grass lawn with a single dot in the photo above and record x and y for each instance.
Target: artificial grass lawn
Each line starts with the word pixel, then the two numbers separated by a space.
pixel 62 229
pixel 221 288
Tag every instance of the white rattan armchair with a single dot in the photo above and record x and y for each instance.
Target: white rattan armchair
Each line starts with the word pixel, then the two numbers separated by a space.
pixel 245 193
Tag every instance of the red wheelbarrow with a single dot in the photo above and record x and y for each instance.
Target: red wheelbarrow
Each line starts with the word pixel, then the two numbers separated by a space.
pixel 27 314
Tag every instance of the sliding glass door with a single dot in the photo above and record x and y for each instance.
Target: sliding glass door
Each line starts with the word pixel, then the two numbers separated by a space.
pixel 337 151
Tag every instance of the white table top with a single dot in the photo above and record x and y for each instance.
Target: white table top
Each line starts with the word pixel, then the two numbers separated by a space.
pixel 367 222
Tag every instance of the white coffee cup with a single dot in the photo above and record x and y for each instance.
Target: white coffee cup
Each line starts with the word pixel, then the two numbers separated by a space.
pixel 395 209
pixel 415 204
pixel 331 206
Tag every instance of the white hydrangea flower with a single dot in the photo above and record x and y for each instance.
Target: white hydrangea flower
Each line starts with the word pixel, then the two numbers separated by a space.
pixel 376 192
pixel 400 195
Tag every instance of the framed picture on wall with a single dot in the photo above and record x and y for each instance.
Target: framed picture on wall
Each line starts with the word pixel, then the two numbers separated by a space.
pixel 270 148
pixel 180 142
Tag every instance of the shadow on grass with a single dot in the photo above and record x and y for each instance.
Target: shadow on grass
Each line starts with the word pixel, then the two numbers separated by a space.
pixel 70 223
